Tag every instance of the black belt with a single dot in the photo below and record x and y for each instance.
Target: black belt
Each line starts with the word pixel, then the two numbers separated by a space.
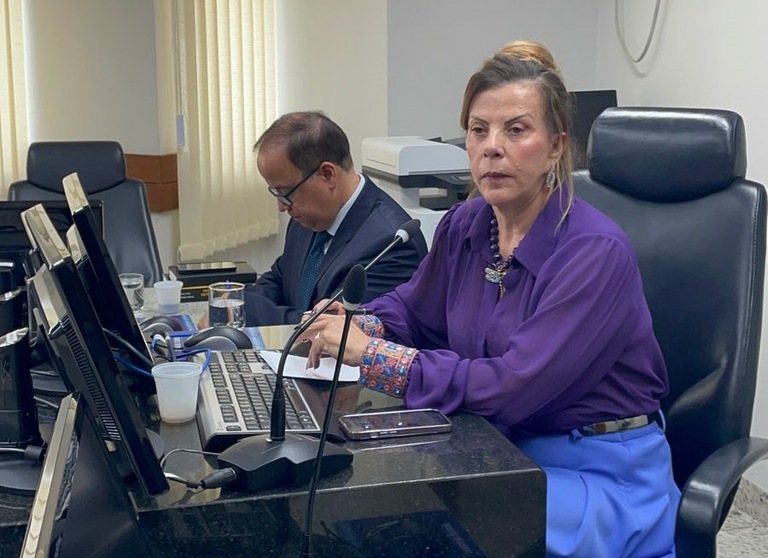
pixel 618 425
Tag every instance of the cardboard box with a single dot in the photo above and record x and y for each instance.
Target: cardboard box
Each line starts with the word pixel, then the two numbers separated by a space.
pixel 195 286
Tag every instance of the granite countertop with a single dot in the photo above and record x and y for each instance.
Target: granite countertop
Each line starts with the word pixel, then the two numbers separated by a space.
pixel 472 448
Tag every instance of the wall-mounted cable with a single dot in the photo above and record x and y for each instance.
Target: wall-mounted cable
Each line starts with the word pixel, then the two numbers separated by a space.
pixel 649 39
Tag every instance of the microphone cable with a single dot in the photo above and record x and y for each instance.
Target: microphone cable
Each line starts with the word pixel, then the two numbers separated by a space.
pixel 216 479
pixel 354 291
pixel 277 411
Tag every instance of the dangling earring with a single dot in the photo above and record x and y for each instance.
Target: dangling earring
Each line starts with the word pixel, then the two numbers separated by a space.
pixel 551 179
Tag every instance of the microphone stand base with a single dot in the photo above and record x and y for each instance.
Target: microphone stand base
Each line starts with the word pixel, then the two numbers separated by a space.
pixel 262 463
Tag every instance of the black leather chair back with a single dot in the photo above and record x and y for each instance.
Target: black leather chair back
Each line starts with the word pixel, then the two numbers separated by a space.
pixel 128 230
pixel 673 179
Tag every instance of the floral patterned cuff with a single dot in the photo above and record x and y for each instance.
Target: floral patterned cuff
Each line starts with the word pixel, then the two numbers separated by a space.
pixel 370 325
pixel 385 367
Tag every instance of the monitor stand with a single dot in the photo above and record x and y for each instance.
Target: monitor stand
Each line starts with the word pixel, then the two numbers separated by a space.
pixel 22 476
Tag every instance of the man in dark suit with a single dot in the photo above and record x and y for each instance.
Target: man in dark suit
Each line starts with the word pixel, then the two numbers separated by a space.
pixel 338 218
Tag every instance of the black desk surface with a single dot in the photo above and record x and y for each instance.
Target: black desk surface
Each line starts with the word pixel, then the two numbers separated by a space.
pixel 467 493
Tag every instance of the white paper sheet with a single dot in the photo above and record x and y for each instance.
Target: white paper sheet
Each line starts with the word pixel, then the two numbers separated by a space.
pixel 296 367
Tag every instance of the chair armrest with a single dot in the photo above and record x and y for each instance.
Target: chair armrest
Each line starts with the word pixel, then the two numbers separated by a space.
pixel 707 491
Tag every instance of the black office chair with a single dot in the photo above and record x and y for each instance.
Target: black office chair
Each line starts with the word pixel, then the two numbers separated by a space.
pixel 673 179
pixel 100 165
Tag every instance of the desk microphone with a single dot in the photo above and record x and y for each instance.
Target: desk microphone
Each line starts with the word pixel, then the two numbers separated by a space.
pixel 354 291
pixel 402 235
pixel 277 424
pixel 267 461
pixel 258 458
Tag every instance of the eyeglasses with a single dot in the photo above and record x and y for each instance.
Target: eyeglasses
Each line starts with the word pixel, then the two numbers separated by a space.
pixel 285 199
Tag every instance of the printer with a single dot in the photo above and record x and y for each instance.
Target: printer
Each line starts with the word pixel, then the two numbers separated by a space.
pixel 426 177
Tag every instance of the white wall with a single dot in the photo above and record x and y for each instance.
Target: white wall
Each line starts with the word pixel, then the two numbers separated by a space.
pixel 166 224
pixel 91 72
pixel 332 56
pixel 707 54
pixel 398 67
pixel 92 76
pixel 434 46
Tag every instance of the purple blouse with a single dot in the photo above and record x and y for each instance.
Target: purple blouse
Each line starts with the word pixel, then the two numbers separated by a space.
pixel 570 342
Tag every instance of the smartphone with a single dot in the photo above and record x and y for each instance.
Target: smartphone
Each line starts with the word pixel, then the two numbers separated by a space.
pixel 392 424
pixel 206 267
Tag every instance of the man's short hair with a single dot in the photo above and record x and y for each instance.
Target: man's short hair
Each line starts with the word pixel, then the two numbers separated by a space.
pixel 309 138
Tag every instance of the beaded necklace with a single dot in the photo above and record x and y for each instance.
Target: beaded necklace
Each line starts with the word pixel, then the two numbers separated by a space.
pixel 495 272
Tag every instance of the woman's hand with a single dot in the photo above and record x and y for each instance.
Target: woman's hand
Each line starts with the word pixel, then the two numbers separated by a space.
pixel 334 308
pixel 325 335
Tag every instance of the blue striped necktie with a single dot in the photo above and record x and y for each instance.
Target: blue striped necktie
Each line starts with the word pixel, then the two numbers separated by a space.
pixel 311 266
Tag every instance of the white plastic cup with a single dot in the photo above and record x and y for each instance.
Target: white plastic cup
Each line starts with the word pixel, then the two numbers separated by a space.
pixel 168 296
pixel 177 384
pixel 133 285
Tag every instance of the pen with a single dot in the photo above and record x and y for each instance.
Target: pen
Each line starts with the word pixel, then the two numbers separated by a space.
pixel 358 312
pixel 310 313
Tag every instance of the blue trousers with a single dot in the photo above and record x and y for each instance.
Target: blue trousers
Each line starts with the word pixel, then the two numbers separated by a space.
pixel 609 495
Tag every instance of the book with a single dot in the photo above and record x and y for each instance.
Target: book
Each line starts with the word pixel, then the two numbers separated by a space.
pixel 195 285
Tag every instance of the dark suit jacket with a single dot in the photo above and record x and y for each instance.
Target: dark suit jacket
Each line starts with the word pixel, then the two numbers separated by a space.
pixel 367 229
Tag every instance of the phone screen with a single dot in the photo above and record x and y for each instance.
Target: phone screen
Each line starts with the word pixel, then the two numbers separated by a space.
pixel 394 423
pixel 399 419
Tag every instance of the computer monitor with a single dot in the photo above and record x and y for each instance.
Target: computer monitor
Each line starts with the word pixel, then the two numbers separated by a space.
pixel 80 351
pixel 14 242
pixel 587 107
pixel 81 508
pixel 102 280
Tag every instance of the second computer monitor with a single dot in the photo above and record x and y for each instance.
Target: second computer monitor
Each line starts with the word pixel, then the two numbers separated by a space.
pixel 80 507
pixel 588 105
pixel 107 293
pixel 80 350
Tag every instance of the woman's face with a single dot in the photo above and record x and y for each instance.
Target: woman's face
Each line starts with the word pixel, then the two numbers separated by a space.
pixel 510 148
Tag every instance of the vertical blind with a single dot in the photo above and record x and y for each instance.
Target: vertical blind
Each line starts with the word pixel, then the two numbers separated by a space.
pixel 225 53
pixel 13 111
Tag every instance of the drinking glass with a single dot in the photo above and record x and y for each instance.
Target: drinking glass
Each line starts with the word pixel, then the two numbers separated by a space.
pixel 133 285
pixel 226 305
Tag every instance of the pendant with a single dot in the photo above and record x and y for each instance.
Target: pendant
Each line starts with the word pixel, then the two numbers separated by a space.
pixel 493 275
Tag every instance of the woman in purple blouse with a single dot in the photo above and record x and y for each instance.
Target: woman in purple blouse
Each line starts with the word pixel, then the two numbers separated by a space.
pixel 529 310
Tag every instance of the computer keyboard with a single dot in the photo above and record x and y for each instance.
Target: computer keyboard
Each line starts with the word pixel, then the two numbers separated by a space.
pixel 235 400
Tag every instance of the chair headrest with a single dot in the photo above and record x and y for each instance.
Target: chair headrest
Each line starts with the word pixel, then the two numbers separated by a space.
pixel 99 164
pixel 667 154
